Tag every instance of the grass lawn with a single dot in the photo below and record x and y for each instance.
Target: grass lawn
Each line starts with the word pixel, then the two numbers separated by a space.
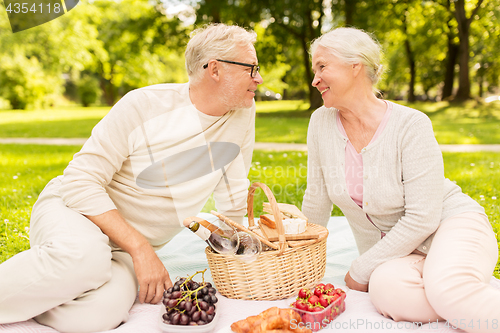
pixel 469 123
pixel 24 172
pixel 25 169
pixel 277 121
pixel 70 122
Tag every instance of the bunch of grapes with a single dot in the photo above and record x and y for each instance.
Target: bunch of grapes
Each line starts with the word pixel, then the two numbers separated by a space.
pixel 189 302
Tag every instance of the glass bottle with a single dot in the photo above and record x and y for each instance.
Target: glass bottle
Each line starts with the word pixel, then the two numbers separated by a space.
pixel 221 238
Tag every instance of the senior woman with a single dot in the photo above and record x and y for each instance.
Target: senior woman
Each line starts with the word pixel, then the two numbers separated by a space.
pixel 427 250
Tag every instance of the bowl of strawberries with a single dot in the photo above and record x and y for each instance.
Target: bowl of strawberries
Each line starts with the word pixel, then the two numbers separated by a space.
pixel 319 306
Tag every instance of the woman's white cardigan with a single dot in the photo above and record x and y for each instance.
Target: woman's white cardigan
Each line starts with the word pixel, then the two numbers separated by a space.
pixel 404 190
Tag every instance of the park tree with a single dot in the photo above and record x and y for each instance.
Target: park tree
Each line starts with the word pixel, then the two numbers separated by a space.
pixel 464 19
pixel 452 47
pixel 429 37
pixel 464 13
pixel 397 24
pixel 32 61
pixel 142 46
pixel 293 24
pixel 101 48
pixel 485 43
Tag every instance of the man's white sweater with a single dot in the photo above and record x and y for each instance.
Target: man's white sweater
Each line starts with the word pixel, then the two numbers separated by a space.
pixel 147 127
pixel 405 192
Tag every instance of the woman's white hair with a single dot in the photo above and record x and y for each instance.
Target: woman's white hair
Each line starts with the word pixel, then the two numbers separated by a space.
pixel 353 46
pixel 214 41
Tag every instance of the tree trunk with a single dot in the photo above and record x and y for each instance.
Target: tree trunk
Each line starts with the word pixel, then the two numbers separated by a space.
pixel 108 91
pixel 481 86
pixel 449 76
pixel 411 62
pixel 463 92
pixel 350 10
pixel 481 71
pixel 315 99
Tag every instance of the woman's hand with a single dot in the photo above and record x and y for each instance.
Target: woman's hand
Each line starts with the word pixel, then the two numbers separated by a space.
pixel 152 276
pixel 352 284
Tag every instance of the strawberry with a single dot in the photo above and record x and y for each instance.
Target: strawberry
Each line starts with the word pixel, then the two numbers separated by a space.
pixel 324 300
pixel 304 293
pixel 319 290
pixel 313 299
pixel 334 298
pixel 329 287
pixel 331 292
pixel 301 305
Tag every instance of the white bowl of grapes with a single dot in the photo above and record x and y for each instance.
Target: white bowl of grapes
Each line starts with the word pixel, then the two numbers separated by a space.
pixel 189 306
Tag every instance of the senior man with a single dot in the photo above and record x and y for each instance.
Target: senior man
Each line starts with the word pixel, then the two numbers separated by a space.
pixel 152 161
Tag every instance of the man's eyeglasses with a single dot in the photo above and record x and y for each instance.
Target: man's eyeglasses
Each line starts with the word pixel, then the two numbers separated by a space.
pixel 253 73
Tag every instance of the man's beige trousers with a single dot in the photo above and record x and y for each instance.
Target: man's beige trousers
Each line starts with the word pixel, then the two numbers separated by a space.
pixel 70 279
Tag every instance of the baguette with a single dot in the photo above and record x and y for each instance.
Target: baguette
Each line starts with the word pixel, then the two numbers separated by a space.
pixel 268 220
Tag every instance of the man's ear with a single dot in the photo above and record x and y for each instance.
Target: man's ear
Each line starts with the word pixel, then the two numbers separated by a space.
pixel 213 70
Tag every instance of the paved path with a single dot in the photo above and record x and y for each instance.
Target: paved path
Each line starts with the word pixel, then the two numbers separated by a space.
pixel 258 145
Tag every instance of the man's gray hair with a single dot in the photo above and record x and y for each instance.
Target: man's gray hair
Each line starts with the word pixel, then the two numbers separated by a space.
pixel 353 46
pixel 214 41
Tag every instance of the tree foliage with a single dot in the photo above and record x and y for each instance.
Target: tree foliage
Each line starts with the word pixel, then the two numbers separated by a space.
pixel 434 36
pixel 434 49
pixel 293 25
pixel 103 48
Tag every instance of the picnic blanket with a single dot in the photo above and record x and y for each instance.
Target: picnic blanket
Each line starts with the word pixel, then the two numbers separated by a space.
pixel 185 255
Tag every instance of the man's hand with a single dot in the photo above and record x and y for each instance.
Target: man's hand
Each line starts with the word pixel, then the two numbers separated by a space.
pixel 152 276
pixel 352 284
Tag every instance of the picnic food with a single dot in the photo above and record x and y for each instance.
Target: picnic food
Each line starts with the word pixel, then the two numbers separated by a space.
pixel 189 302
pixel 292 226
pixel 286 210
pixel 319 306
pixel 271 320
pixel 268 220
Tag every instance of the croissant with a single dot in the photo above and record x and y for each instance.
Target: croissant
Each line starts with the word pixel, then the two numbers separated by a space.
pixel 272 320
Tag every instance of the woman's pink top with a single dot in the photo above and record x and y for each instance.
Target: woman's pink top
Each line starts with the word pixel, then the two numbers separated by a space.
pixel 354 160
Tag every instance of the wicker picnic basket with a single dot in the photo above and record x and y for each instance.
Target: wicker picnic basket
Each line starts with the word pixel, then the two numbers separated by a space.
pixel 275 274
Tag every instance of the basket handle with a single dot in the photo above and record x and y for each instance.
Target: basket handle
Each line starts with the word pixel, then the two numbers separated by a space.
pixel 276 212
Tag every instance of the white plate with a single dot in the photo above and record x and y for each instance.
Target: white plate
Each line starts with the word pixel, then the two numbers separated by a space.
pixel 208 328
